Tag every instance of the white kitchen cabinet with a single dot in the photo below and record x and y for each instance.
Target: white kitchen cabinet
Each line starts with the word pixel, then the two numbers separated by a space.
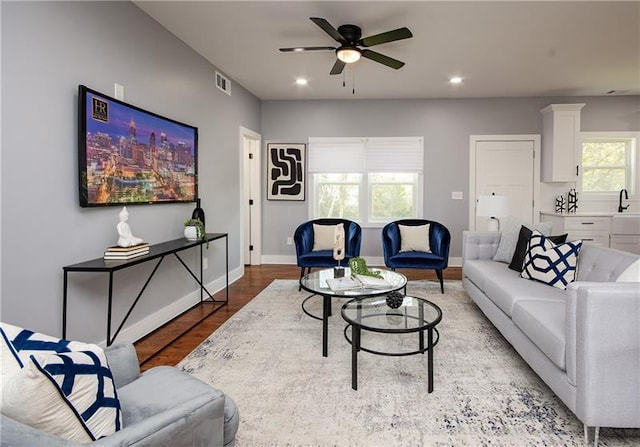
pixel 626 242
pixel 590 228
pixel 560 142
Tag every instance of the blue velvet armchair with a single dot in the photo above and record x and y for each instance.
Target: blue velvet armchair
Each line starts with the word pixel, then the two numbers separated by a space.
pixel 436 259
pixel 307 258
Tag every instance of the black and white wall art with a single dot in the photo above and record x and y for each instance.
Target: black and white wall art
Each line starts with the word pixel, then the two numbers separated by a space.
pixel 286 171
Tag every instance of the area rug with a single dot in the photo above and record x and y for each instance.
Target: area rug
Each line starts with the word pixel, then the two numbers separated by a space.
pixel 268 357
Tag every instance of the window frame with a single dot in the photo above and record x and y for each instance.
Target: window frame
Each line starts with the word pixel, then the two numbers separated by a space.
pixel 365 219
pixel 632 165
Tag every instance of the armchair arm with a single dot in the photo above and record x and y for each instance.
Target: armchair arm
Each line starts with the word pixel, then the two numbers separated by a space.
pixel 123 362
pixel 479 244
pixel 607 352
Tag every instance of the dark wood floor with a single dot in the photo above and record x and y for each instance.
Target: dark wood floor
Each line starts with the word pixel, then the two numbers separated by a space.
pixel 256 278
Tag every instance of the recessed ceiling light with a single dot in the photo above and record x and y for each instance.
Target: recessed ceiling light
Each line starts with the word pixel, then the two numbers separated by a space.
pixel 301 81
pixel 455 80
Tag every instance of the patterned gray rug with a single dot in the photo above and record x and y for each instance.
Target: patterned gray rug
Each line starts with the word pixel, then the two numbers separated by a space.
pixel 268 357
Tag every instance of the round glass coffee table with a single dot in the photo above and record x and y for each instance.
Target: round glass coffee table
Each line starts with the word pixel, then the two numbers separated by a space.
pixel 373 314
pixel 316 283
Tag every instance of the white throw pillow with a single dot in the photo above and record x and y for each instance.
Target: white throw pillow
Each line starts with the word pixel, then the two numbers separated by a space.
pixel 323 237
pixel 414 238
pixel 510 230
pixel 69 395
pixel 631 274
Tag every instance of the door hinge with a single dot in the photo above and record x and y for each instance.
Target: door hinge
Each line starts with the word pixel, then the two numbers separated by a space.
pixel 250 201
pixel 250 247
pixel 250 156
pixel 577 170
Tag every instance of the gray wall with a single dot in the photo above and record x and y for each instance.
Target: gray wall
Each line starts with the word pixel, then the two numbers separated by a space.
pixel 446 125
pixel 48 48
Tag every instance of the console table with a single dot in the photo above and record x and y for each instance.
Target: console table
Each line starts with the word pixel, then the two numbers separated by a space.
pixel 156 252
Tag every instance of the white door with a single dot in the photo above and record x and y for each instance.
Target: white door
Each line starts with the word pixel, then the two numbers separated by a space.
pixel 505 165
pixel 251 245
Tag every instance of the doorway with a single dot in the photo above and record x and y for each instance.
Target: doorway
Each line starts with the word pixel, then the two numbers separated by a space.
pixel 505 165
pixel 250 143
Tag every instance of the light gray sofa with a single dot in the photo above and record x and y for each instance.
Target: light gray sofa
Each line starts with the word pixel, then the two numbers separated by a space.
pixel 161 407
pixel 584 342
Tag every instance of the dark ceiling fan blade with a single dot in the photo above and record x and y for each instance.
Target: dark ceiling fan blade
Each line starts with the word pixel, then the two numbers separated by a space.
pixel 300 49
pixel 389 36
pixel 337 67
pixel 328 28
pixel 381 58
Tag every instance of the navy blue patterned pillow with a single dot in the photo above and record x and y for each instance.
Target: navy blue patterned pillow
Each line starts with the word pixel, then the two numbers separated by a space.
pixel 550 263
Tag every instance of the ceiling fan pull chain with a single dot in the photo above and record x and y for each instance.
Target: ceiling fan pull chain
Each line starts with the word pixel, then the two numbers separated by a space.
pixel 353 80
pixel 344 84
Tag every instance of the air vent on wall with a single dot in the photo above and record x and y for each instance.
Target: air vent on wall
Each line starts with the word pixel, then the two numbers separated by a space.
pixel 223 83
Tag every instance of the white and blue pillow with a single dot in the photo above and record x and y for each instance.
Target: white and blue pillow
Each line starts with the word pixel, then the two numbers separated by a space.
pixel 18 344
pixel 550 263
pixel 69 394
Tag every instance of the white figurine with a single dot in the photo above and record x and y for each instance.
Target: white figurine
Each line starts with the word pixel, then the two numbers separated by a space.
pixel 126 239
pixel 338 243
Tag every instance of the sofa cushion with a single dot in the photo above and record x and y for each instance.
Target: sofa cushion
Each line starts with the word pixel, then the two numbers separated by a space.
pixel 479 270
pixel 70 395
pixel 550 263
pixel 506 290
pixel 509 237
pixel 543 322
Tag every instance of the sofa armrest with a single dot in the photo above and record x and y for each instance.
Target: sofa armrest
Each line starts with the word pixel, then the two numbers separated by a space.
pixel 607 352
pixel 123 362
pixel 479 244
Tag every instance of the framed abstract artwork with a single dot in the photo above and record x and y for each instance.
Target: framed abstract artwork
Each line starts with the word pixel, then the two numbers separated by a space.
pixel 286 171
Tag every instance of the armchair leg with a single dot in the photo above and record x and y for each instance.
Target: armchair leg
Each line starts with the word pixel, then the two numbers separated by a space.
pixel 439 273
pixel 301 275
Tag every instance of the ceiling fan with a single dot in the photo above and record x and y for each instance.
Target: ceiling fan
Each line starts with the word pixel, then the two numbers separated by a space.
pixel 349 51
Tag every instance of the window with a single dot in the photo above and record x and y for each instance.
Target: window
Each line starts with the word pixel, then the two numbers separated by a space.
pixel 368 180
pixel 608 164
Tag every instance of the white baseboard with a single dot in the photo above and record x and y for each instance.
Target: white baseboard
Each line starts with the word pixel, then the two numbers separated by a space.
pixel 143 327
pixel 375 261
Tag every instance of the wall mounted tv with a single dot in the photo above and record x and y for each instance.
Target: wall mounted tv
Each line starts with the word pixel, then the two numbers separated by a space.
pixel 127 155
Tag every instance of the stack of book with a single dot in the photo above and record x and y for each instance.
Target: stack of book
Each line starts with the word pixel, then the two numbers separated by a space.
pixel 117 253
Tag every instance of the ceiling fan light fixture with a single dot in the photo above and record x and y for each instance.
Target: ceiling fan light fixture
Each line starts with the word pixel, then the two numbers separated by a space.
pixel 348 55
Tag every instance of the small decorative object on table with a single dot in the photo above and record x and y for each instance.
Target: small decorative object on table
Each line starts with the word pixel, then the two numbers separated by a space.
pixel 194 230
pixel 561 204
pixel 395 299
pixel 198 212
pixel 125 237
pixel 338 250
pixel 572 206
pixel 358 266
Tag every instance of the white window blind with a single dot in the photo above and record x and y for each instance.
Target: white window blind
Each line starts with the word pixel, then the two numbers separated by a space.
pixel 337 155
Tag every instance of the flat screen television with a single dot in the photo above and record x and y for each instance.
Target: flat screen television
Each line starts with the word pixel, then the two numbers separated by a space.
pixel 127 155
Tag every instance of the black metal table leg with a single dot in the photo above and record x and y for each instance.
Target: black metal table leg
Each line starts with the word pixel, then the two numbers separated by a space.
pixel 355 347
pixel 110 304
pixel 430 358
pixel 326 311
pixel 64 305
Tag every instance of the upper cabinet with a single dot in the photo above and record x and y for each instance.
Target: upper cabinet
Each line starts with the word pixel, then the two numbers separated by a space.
pixel 560 142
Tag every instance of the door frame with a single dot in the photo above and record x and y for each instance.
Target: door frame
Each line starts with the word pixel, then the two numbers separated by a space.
pixel 473 141
pixel 253 171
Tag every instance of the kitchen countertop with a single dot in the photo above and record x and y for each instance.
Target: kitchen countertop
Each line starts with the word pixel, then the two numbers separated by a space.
pixel 581 214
